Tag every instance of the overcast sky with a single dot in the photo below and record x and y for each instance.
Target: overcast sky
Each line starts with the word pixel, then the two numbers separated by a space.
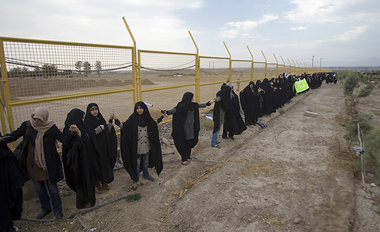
pixel 341 32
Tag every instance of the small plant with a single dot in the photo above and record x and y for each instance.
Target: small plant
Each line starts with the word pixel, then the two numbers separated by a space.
pixel 133 197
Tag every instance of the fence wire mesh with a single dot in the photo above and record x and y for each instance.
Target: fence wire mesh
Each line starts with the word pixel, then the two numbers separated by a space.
pixel 165 76
pixel 38 70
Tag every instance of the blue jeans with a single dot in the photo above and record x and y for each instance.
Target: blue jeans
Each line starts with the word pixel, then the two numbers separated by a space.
pixel 145 160
pixel 214 138
pixel 42 188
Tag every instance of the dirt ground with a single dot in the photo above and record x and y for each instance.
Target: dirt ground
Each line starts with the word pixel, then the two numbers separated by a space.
pixel 294 175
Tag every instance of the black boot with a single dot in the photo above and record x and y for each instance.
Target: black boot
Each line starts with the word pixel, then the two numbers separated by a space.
pixel 43 214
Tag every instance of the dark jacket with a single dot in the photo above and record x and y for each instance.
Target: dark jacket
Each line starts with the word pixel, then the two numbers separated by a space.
pixel 53 161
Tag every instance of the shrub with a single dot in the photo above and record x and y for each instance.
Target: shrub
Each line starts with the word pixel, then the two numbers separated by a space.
pixel 351 82
pixel 372 155
pixel 352 126
pixel 367 90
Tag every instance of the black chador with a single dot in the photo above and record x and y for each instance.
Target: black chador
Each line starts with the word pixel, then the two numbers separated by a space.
pixel 12 178
pixel 233 123
pixel 185 125
pixel 102 147
pixel 129 140
pixel 249 101
pixel 77 162
pixel 260 98
pixel 268 107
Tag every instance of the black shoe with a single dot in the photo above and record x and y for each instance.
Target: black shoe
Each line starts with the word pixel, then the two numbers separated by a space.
pixel 224 137
pixel 232 137
pixel 58 215
pixel 43 214
pixel 149 178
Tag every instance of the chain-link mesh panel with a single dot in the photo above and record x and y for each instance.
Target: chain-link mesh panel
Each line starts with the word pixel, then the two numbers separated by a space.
pixel 212 70
pixel 258 70
pixel 241 70
pixel 119 103
pixel 40 70
pixel 272 70
pixel 160 70
pixel 43 69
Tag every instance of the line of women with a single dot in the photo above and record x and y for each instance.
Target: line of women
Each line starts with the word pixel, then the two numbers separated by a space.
pixel 90 144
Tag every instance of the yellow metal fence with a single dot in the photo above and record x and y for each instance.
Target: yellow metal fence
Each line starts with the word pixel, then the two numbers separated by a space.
pixel 66 75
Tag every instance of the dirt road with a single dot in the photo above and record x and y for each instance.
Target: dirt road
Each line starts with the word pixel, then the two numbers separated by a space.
pixel 291 176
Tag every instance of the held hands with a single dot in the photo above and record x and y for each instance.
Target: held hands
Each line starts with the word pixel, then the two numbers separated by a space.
pixel 113 116
pixel 74 129
pixel 210 102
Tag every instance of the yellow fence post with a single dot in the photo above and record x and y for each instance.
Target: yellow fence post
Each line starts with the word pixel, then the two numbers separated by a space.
pixel 134 66
pixel 2 115
pixel 276 64
pixel 139 75
pixel 230 63
pixel 252 64
pixel 197 71
pixel 266 65
pixel 4 78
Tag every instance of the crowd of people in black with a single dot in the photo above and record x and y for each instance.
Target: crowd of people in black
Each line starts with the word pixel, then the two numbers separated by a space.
pixel 89 148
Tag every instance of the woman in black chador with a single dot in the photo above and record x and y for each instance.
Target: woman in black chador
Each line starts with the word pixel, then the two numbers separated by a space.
pixel 186 125
pixel 12 178
pixel 102 147
pixel 233 123
pixel 249 102
pixel 140 143
pixel 76 161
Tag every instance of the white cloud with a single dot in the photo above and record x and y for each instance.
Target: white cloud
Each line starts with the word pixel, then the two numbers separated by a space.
pixel 300 28
pixel 352 34
pixel 233 29
pixel 349 35
pixel 321 11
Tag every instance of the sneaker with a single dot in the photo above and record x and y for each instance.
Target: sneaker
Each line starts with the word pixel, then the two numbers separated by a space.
pixel 134 186
pixel 185 162
pixel 106 186
pixel 58 215
pixel 11 228
pixel 149 178
pixel 43 214
pixel 215 146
